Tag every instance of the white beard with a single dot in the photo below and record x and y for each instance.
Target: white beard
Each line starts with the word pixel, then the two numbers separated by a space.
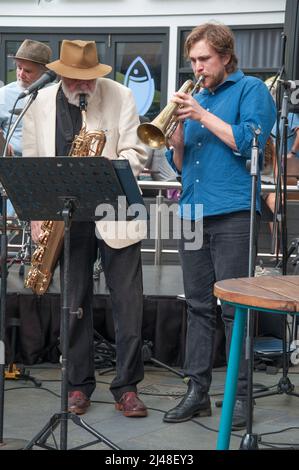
pixel 22 84
pixel 73 97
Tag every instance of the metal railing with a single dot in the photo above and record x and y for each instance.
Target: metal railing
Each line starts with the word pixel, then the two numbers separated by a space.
pixel 159 186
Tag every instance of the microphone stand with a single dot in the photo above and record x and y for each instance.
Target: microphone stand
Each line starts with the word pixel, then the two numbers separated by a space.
pixel 283 167
pixel 24 110
pixel 250 440
pixel 284 386
pixel 10 443
pixel 278 151
pixel 280 212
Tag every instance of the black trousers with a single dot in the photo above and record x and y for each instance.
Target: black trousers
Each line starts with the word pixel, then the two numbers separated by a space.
pixel 224 255
pixel 123 274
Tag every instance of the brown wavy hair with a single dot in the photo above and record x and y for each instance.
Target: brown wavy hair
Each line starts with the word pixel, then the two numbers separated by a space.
pixel 219 37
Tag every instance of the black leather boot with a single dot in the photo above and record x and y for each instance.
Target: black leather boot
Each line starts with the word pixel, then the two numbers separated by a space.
pixel 240 415
pixel 194 403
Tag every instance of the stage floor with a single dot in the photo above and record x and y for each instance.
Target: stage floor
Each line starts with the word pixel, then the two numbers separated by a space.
pixel 27 409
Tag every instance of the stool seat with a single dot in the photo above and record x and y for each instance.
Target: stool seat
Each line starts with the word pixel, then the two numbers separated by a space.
pixel 267 292
pixel 272 294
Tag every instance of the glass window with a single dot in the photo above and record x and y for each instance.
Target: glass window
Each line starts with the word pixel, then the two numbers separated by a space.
pixel 101 48
pixel 258 51
pixel 183 61
pixel 11 49
pixel 138 57
pixel 258 48
pixel 138 66
pixel 185 76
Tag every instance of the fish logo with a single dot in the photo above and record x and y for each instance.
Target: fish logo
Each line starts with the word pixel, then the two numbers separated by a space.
pixel 138 78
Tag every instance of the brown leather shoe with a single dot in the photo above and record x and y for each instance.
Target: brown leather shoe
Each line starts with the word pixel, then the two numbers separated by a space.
pixel 131 405
pixel 78 402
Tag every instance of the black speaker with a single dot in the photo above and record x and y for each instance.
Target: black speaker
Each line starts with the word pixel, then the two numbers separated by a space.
pixel 291 30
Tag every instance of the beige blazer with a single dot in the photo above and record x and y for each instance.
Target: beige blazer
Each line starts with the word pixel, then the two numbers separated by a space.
pixel 113 110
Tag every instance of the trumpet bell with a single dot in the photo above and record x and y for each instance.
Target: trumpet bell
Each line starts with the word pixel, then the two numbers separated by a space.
pixel 151 135
pixel 156 133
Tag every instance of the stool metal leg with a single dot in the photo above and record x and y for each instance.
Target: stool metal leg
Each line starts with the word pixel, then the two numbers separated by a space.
pixel 231 379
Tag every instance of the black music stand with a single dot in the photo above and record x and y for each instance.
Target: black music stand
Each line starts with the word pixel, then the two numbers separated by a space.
pixel 67 189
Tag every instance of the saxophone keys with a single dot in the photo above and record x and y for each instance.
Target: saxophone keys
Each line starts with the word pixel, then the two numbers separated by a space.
pixel 37 256
pixel 44 237
pixel 47 225
pixel 31 278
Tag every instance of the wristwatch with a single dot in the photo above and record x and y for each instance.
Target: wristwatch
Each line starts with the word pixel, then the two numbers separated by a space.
pixel 293 152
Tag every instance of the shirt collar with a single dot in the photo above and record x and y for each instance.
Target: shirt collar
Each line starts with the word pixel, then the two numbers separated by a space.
pixel 233 77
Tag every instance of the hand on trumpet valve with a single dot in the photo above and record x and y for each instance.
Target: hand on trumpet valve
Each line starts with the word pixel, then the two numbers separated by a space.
pixel 188 107
pixel 176 137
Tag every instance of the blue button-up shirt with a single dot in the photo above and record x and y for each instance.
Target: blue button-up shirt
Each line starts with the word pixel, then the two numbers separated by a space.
pixel 8 96
pixel 212 173
pixel 293 125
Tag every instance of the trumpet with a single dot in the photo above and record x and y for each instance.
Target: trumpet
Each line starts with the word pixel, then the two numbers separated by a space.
pixel 156 133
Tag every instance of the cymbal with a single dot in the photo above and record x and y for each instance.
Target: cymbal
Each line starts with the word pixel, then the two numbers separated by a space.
pixel 17 111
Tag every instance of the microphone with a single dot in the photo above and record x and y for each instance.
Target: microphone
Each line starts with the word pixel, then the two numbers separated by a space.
pixel 288 84
pixel 46 78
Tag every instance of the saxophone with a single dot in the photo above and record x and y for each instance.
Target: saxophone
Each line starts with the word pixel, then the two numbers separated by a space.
pixel 50 241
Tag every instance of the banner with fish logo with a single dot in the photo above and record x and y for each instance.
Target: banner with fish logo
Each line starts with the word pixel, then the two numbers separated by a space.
pixel 138 78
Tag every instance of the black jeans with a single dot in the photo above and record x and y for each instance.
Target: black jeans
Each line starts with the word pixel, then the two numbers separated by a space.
pixel 123 274
pixel 224 255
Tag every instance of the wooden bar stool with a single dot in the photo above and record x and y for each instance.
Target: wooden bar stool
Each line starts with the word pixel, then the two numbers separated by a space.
pixel 272 294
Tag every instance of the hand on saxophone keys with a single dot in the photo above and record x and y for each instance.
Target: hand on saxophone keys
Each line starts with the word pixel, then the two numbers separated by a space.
pixel 35 229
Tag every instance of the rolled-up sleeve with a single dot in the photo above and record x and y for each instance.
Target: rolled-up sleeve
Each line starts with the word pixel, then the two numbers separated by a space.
pixel 257 111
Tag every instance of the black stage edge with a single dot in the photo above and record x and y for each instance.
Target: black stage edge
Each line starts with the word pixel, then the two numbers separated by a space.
pixel 164 316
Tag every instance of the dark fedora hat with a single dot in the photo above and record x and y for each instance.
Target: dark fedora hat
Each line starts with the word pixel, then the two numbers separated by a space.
pixel 34 51
pixel 79 60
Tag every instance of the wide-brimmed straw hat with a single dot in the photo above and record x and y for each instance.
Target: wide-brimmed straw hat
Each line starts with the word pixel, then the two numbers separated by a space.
pixel 79 60
pixel 34 51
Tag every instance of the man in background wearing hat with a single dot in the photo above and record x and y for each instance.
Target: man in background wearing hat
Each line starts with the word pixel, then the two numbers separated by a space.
pixel 49 129
pixel 31 58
